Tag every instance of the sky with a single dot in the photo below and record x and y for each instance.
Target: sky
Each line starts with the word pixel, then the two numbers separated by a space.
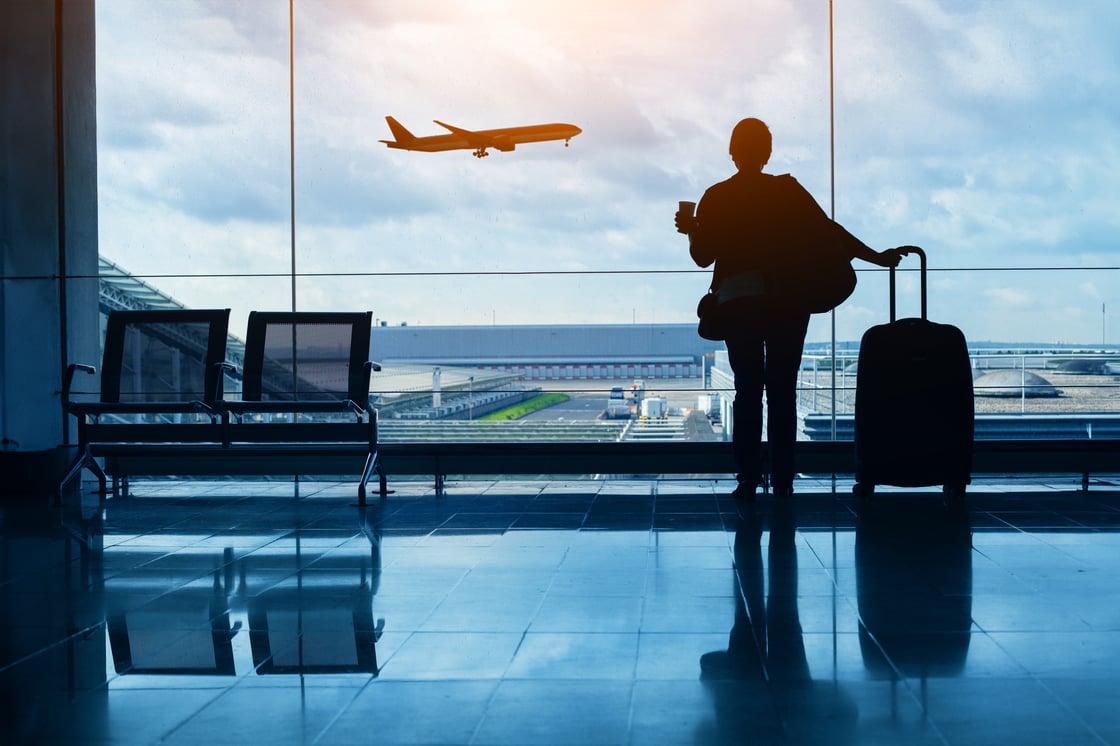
pixel 983 131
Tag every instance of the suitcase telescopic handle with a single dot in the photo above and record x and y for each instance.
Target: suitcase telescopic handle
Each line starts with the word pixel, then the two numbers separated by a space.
pixel 906 251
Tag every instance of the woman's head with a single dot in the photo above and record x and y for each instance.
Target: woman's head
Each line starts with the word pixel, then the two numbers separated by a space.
pixel 750 144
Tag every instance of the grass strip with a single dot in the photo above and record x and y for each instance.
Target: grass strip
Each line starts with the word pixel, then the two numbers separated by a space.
pixel 537 403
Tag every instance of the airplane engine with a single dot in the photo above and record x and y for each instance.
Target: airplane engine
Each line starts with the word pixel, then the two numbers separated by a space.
pixel 503 144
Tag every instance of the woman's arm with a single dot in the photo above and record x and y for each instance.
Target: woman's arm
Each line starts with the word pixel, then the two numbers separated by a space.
pixel 859 250
pixel 811 213
pixel 699 249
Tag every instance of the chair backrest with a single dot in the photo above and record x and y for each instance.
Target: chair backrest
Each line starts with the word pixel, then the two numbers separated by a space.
pixel 307 356
pixel 164 355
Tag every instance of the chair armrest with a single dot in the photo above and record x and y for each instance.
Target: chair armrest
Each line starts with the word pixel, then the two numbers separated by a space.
pixel 207 409
pixel 68 379
pixel 223 368
pixel 368 367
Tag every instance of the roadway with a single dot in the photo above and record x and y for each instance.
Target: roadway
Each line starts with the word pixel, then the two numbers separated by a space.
pixel 589 398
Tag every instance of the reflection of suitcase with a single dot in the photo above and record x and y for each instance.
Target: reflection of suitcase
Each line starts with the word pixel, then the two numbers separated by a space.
pixel 914 587
pixel 914 408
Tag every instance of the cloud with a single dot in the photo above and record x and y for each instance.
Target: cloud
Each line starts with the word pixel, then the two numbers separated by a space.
pixel 1009 297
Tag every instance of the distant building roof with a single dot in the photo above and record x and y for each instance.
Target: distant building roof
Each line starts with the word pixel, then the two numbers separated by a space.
pixel 541 344
pixel 1008 382
pixel 121 291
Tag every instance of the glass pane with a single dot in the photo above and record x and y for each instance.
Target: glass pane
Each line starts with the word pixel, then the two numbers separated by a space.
pixel 982 132
pixel 193 144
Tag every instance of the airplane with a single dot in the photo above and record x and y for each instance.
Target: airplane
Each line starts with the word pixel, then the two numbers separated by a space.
pixel 504 139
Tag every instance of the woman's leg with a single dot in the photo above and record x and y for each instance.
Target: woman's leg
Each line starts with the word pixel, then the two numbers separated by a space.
pixel 784 344
pixel 745 354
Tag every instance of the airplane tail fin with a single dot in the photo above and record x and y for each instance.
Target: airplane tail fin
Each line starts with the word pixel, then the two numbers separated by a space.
pixel 400 132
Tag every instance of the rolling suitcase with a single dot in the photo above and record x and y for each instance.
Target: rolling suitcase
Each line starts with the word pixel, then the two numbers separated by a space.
pixel 914 409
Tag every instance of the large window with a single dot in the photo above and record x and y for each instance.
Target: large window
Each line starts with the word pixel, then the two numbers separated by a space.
pixel 982 131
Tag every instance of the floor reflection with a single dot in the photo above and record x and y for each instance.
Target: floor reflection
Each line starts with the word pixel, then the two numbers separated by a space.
pixel 185 632
pixel 304 611
pixel 766 642
pixel 652 615
pixel 914 573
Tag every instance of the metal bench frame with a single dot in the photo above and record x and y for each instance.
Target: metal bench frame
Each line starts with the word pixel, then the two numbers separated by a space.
pixel 232 441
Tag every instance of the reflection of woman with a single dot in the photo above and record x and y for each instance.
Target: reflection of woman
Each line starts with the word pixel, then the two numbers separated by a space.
pixel 767 630
pixel 752 226
pixel 767 644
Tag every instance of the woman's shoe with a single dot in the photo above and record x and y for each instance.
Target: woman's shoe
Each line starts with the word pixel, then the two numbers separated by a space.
pixel 744 491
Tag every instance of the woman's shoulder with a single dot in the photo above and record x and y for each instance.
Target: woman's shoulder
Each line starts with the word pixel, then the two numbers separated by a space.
pixel 756 181
pixel 720 194
pixel 721 187
pixel 776 189
pixel 788 190
pixel 786 181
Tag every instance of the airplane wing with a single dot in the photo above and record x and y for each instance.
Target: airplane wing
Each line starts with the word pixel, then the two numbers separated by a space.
pixel 480 141
pixel 456 130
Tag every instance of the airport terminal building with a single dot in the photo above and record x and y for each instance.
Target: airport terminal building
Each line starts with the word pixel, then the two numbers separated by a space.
pixel 552 352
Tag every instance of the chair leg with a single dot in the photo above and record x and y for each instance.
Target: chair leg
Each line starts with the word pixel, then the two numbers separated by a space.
pixel 367 472
pixel 84 461
pixel 373 466
pixel 74 470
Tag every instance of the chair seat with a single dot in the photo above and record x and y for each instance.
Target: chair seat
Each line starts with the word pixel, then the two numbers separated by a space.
pixel 299 406
pixel 154 407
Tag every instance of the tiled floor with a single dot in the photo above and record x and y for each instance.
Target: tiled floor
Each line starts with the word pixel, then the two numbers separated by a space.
pixel 561 613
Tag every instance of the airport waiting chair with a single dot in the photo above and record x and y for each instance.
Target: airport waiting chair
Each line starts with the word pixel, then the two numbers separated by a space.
pixel 306 381
pixel 161 379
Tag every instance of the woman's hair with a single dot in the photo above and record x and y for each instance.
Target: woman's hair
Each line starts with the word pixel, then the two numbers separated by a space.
pixel 751 142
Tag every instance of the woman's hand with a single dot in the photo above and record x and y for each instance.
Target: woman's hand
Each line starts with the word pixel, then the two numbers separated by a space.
pixel 888 258
pixel 685 222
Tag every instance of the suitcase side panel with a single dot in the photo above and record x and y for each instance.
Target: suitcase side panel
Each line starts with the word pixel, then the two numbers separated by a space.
pixel 914 407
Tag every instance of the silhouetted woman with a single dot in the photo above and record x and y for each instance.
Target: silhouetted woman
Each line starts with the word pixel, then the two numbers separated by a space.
pixel 756 228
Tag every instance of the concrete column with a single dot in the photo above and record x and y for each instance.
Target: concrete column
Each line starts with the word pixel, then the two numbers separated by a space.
pixel 48 229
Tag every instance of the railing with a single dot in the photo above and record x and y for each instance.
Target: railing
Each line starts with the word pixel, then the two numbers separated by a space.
pixel 1057 385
